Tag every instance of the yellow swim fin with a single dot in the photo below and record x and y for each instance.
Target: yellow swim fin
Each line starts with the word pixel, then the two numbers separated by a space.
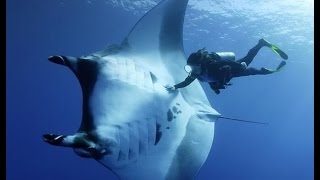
pixel 274 48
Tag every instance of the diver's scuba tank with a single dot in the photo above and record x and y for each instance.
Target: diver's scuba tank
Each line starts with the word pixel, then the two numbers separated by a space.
pixel 226 56
pixel 202 54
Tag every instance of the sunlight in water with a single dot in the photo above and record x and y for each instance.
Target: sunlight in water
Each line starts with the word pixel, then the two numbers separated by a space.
pixel 306 5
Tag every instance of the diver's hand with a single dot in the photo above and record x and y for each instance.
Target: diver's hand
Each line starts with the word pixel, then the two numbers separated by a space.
pixel 170 88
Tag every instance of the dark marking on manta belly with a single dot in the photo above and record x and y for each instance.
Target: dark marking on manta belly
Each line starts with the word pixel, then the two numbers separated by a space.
pixel 121 156
pixel 175 109
pixel 153 77
pixel 131 154
pixel 178 104
pixel 169 115
pixel 158 134
pixel 168 127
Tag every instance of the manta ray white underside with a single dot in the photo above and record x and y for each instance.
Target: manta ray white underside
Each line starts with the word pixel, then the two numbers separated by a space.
pixel 130 123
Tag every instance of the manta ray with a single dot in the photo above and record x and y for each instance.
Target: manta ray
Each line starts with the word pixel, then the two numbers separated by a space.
pixel 130 123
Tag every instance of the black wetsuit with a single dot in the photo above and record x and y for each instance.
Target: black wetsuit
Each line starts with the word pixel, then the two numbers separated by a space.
pixel 219 72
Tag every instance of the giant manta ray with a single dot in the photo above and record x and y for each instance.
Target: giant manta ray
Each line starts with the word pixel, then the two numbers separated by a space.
pixel 130 123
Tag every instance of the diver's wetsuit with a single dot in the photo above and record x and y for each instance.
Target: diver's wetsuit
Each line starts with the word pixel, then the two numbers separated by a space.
pixel 219 72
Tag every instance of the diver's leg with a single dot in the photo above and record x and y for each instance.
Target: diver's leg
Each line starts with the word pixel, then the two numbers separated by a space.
pixel 262 71
pixel 254 71
pixel 252 53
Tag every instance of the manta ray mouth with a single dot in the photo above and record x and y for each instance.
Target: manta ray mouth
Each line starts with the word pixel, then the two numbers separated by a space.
pixel 57 59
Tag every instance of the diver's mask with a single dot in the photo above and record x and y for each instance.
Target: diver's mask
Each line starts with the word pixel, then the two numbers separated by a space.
pixel 196 69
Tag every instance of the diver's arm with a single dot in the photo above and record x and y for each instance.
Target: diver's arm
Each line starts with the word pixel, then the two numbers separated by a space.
pixel 185 83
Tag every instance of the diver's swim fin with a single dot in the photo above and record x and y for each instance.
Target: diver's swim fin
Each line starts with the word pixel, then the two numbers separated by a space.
pixel 269 71
pixel 281 65
pixel 279 52
pixel 274 48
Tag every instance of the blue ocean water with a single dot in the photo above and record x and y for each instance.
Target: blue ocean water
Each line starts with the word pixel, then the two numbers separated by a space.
pixel 44 97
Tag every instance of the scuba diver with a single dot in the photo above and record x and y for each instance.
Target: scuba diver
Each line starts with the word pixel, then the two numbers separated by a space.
pixel 218 68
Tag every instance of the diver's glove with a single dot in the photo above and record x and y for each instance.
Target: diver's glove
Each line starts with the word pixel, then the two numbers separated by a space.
pixel 170 88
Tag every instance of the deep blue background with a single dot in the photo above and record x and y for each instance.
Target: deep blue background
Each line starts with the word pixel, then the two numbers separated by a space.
pixel 43 97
